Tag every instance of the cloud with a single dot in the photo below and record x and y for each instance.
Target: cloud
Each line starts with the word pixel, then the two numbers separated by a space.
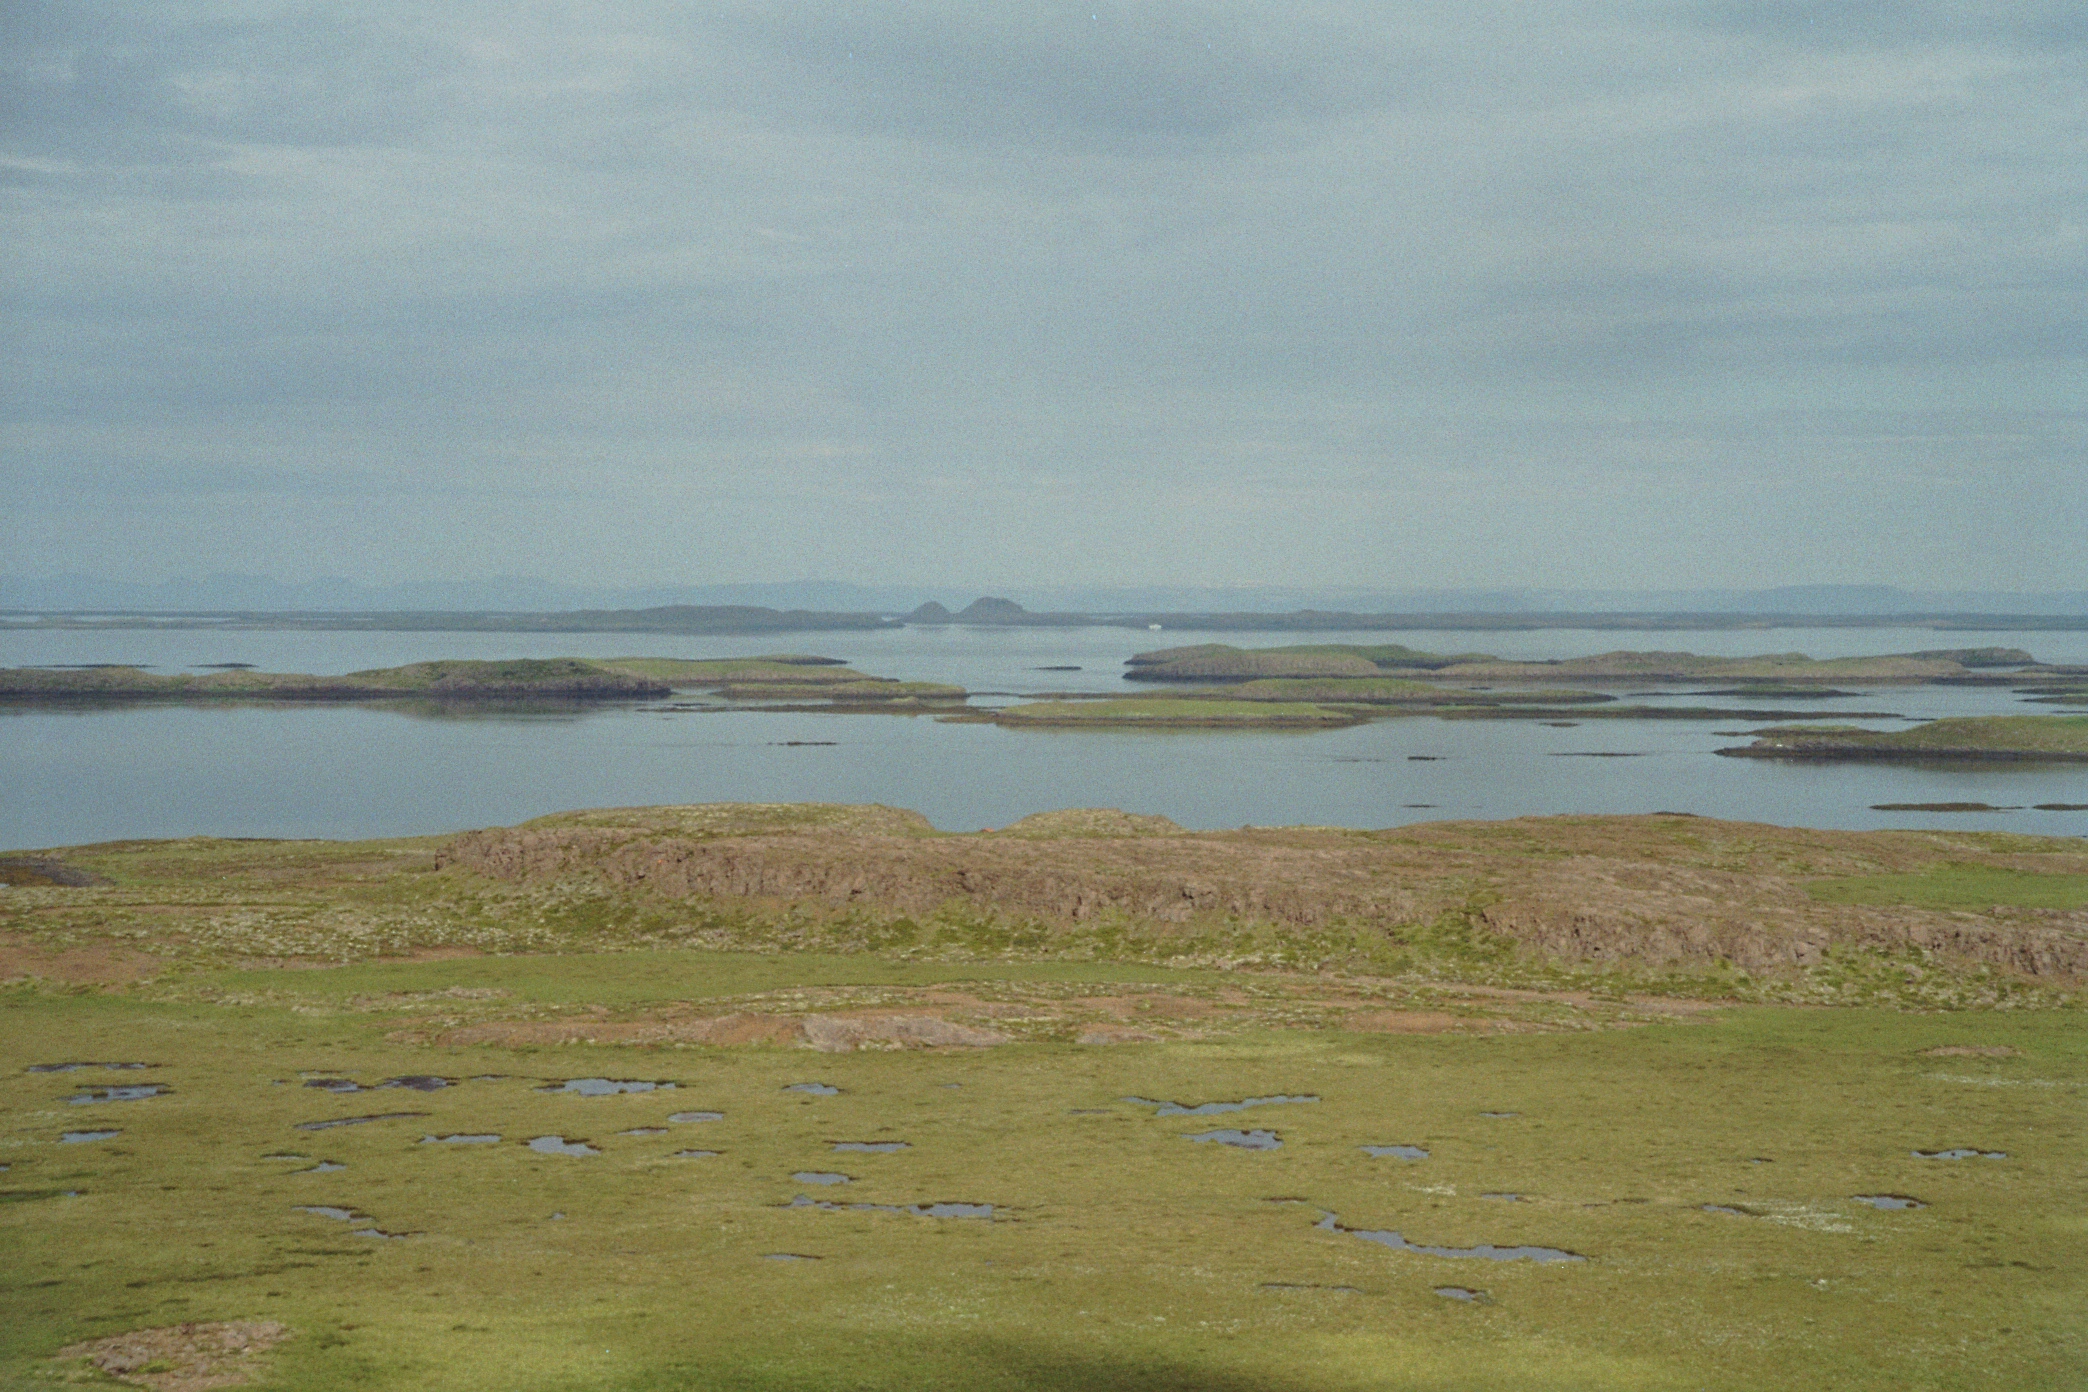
pixel 1606 292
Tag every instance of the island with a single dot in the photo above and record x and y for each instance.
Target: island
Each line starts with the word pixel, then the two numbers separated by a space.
pixel 1777 672
pixel 2001 738
pixel 788 677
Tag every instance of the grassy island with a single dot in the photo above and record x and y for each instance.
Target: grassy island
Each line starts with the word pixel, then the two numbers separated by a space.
pixel 794 1098
pixel 2023 738
pixel 778 678
pixel 1212 662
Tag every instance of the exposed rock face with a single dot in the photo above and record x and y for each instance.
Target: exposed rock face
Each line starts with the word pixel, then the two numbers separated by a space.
pixel 1650 889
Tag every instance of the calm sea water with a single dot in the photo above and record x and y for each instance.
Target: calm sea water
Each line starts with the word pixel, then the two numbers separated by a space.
pixel 335 771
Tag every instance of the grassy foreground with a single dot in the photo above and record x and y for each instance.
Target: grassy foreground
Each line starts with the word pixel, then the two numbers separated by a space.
pixel 1706 1159
pixel 1119 1254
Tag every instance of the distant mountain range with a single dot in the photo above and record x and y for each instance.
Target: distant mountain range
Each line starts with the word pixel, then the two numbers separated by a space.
pixel 523 594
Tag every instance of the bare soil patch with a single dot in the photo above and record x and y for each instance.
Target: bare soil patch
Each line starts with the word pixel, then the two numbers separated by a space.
pixel 184 1357
pixel 75 966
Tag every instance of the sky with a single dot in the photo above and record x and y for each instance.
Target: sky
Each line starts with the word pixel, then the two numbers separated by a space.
pixel 1736 292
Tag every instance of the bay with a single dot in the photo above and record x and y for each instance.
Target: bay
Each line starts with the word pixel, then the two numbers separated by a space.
pixel 73 776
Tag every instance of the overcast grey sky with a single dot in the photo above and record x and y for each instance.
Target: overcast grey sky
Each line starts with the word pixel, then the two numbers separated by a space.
pixel 1389 294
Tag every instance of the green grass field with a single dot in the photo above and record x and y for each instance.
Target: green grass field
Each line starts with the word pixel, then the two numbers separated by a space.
pixel 1119 1254
pixel 1958 887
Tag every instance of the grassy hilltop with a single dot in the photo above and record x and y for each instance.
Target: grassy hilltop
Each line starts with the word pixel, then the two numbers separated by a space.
pixel 315 1100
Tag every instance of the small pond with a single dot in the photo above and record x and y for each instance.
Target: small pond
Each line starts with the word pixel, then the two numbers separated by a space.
pixel 137 1093
pixel 559 1145
pixel 1485 1251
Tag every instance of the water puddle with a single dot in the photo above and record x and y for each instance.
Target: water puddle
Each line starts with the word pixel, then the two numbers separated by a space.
pixel 559 1145
pixel 1485 1251
pixel 464 1138
pixel 1308 1286
pixel 1499 1116
pixel 1397 1152
pixel 339 1215
pixel 136 1093
pixel 417 1082
pixel 644 1131
pixel 696 1154
pixel 1889 1201
pixel 330 1124
pixel 1504 1197
pixel 1167 1109
pixel 696 1116
pixel 927 1210
pixel 76 1067
pixel 789 1256
pixel 1245 1140
pixel 80 1137
pixel 323 1167
pixel 822 1177
pixel 816 1089
pixel 871 1147
pixel 379 1232
pixel 604 1087
pixel 1960 1154
pixel 1464 1293
pixel 1730 1210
